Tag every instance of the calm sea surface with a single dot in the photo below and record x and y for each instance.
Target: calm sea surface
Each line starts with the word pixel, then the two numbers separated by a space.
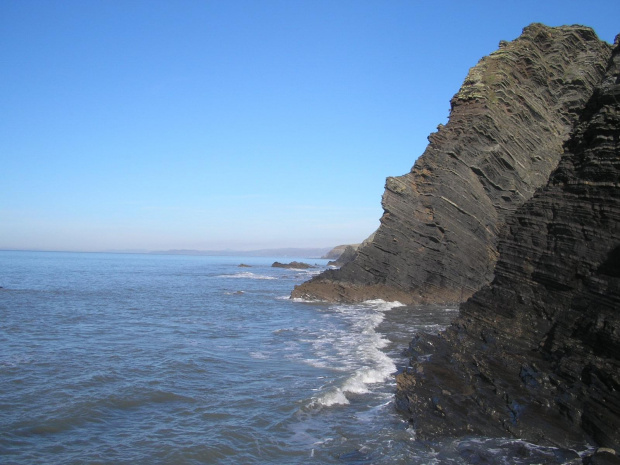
pixel 154 359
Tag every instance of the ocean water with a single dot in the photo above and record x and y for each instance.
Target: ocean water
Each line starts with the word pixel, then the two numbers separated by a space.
pixel 155 359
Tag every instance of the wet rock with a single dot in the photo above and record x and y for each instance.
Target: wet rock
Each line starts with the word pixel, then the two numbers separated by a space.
pixel 293 265
pixel 602 456
pixel 536 353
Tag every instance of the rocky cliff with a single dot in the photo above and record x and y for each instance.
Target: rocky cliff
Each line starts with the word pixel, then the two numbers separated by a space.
pixel 536 353
pixel 336 252
pixel 437 241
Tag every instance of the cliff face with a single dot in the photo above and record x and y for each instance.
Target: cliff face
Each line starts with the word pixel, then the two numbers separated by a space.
pixel 537 352
pixel 438 236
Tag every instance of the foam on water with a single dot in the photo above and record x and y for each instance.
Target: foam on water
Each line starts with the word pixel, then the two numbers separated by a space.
pixel 299 300
pixel 355 349
pixel 246 275
pixel 335 397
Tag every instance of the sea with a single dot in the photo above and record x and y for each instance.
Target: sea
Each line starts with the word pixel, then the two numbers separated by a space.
pixel 178 359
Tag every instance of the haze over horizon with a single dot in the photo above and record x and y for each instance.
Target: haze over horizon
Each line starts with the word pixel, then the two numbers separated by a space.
pixel 159 125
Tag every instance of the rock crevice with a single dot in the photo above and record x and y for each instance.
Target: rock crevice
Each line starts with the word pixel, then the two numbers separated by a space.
pixel 536 353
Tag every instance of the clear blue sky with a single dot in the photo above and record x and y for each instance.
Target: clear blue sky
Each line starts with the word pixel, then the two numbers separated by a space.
pixel 157 125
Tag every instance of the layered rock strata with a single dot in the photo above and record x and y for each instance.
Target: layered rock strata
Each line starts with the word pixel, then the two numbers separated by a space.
pixel 536 353
pixel 437 241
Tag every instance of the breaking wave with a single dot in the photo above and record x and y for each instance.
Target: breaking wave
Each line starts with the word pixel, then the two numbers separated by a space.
pixel 354 349
pixel 245 275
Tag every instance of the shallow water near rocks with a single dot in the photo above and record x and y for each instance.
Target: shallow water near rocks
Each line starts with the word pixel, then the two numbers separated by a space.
pixel 109 358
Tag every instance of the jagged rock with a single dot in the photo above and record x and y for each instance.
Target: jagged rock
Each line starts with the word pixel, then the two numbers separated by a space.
pixel 438 236
pixel 536 354
pixel 603 456
pixel 294 265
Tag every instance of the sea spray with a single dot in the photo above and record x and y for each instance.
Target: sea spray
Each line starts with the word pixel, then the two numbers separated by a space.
pixel 357 351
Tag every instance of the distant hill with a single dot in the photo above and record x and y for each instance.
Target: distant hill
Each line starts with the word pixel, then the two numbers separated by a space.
pixel 337 251
pixel 284 252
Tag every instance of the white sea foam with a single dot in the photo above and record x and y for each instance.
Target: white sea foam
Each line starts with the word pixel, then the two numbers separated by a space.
pixel 246 275
pixel 300 270
pixel 384 305
pixel 304 301
pixel 354 348
pixel 335 397
pixel 296 299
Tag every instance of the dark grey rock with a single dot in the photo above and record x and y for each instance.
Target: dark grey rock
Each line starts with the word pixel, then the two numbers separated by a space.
pixel 536 353
pixel 603 456
pixel 438 236
pixel 293 265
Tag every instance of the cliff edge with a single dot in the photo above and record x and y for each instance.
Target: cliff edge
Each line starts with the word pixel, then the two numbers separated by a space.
pixel 536 353
pixel 437 241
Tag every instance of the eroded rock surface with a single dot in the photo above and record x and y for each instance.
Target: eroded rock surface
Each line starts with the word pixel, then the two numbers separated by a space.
pixel 536 353
pixel 438 236
pixel 292 265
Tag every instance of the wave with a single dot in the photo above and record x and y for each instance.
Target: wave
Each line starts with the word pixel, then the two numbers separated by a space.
pixel 245 275
pixel 355 349
pixel 302 300
pixel 384 305
pixel 336 397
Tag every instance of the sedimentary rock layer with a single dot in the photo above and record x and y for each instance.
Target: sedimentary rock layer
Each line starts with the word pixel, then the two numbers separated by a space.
pixel 537 352
pixel 438 236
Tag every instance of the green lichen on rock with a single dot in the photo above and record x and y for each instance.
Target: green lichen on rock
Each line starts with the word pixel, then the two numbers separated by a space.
pixel 396 185
pixel 473 86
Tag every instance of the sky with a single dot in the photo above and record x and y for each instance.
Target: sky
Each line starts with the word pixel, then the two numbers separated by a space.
pixel 230 124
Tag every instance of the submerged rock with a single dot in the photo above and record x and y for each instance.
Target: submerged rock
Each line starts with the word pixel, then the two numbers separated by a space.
pixel 536 353
pixel 438 236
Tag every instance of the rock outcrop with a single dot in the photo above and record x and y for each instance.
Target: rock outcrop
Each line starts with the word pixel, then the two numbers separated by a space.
pixel 347 255
pixel 536 353
pixel 337 251
pixel 438 236
pixel 293 265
